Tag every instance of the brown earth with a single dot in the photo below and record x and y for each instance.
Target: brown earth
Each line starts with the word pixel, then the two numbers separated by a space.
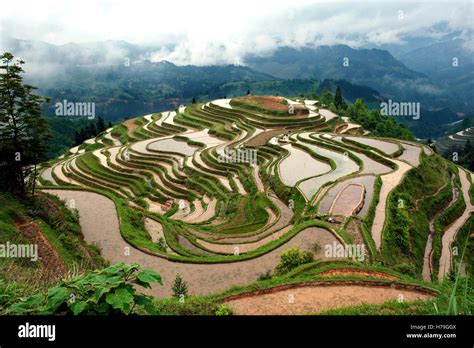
pixel 47 254
pixel 357 272
pixel 315 297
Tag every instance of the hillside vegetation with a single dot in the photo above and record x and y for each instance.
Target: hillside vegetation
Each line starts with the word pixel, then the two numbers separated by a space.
pixel 236 206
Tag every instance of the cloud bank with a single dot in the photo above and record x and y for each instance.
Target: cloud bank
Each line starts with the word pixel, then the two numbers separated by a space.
pixel 215 32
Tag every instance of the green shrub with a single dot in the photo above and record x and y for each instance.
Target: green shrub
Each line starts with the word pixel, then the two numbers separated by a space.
pixel 8 292
pixel 223 310
pixel 405 268
pixel 292 258
pixel 180 287
pixel 265 276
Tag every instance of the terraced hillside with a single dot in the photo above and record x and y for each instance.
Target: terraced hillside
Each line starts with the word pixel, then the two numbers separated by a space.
pixel 455 142
pixel 217 191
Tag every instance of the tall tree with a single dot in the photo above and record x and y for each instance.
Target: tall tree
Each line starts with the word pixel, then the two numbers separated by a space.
pixel 338 98
pixel 467 146
pixel 326 97
pixel 24 133
pixel 339 101
pixel 100 125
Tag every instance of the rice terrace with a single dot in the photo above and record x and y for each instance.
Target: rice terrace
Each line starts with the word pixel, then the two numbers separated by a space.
pixel 194 173
pixel 157 191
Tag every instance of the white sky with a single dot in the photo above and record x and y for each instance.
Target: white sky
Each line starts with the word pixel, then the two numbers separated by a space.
pixel 211 31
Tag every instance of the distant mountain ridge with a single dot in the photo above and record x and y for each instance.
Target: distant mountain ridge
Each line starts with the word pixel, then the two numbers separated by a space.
pixel 374 68
pixel 123 82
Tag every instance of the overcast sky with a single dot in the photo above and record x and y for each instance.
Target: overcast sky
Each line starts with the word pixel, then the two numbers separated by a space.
pixel 224 31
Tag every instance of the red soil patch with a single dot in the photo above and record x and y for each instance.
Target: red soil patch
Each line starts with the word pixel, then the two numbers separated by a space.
pixel 271 103
pixel 49 205
pixel 314 297
pixel 357 272
pixel 48 256
pixel 131 126
pixel 262 138
pixel 340 128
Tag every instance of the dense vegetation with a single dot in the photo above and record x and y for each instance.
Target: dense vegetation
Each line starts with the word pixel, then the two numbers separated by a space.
pixel 24 132
pixel 60 227
pixel 69 132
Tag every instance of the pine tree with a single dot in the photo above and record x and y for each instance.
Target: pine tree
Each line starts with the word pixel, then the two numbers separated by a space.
pixel 24 133
pixel 77 138
pixel 93 131
pixel 180 287
pixel 100 125
pixel 339 101
pixel 467 146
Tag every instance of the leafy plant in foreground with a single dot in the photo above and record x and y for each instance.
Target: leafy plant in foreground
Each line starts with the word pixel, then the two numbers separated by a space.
pixel 107 291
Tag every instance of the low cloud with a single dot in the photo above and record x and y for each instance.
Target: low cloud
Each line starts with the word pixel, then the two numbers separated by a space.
pixel 210 32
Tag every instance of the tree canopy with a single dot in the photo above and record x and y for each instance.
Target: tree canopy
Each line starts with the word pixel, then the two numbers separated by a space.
pixel 24 132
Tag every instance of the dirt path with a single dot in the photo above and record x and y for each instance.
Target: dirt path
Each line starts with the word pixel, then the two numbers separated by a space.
pixel 427 258
pixel 99 222
pixel 131 126
pixel 389 182
pixel 208 213
pixel 240 187
pixel 258 181
pixel 47 254
pixel 314 299
pixel 445 261
pixel 427 265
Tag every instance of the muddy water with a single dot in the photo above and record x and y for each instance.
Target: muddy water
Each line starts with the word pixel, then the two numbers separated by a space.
pixel 370 166
pixel 99 222
pixel 411 154
pixel 348 200
pixel 367 181
pixel 204 137
pixel 384 146
pixel 300 165
pixel 344 166
pixel 172 145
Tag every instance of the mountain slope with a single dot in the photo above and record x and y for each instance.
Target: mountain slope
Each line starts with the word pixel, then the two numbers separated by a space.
pixel 375 68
